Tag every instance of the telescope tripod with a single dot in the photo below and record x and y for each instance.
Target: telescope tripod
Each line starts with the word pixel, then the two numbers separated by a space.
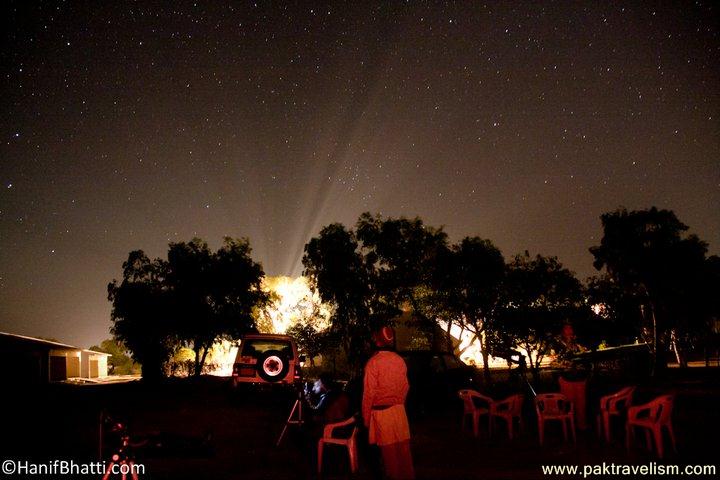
pixel 296 416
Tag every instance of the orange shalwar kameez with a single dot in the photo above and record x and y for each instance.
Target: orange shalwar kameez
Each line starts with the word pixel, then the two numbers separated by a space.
pixel 383 408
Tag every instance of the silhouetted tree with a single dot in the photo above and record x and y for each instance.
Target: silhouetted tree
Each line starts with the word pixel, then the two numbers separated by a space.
pixel 119 362
pixel 648 254
pixel 540 295
pixel 195 298
pixel 347 282
pixel 311 340
pixel 142 313
pixel 466 288
pixel 214 294
pixel 618 319
pixel 404 254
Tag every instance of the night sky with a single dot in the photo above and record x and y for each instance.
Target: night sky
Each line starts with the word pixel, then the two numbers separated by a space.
pixel 130 125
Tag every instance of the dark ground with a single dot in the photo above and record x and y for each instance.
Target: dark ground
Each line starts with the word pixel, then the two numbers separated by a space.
pixel 60 422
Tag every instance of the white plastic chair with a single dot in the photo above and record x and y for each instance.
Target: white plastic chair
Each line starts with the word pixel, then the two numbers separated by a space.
pixel 348 442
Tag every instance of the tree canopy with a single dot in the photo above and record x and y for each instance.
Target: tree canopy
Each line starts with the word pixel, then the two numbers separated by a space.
pixel 466 288
pixel 540 296
pixel 119 362
pixel 194 298
pixel 651 256
pixel 142 313
pixel 335 266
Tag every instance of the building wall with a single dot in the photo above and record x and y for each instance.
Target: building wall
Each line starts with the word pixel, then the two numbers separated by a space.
pixel 58 368
pixel 102 366
pixel 28 360
pixel 73 365
pixel 93 365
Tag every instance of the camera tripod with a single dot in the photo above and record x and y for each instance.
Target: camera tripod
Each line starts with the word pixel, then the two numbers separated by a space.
pixel 122 462
pixel 296 415
pixel 125 462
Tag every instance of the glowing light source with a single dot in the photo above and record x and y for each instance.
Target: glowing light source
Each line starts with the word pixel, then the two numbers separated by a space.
pixel 294 301
pixel 469 347
pixel 600 309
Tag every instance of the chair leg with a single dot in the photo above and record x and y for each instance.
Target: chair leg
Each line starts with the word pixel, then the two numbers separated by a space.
pixel 628 435
pixel 476 423
pixel 648 439
pixel 541 431
pixel 321 444
pixel 657 433
pixel 572 429
pixel 672 437
pixel 352 452
pixel 606 424
pixel 564 422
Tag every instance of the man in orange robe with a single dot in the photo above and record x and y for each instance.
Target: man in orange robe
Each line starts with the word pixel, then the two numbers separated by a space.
pixel 383 406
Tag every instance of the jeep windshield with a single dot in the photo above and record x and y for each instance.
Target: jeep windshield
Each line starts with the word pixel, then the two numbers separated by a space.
pixel 256 347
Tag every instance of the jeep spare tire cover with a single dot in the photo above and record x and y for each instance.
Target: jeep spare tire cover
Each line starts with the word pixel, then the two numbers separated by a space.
pixel 273 366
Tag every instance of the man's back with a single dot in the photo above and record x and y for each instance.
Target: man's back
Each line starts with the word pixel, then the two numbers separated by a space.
pixel 385 381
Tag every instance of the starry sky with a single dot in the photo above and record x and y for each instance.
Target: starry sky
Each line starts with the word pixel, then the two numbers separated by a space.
pixel 128 125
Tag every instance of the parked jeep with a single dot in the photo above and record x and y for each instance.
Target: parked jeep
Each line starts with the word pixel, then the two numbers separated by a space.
pixel 267 359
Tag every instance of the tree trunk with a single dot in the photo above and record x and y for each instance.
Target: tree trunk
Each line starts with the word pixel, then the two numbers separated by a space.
pixel 151 370
pixel 533 364
pixel 658 360
pixel 206 350
pixel 196 370
pixel 486 358
pixel 448 336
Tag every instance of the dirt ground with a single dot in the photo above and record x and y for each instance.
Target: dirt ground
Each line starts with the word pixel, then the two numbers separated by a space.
pixel 61 422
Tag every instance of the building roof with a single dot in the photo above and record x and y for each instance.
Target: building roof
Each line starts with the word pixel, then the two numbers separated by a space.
pixel 48 343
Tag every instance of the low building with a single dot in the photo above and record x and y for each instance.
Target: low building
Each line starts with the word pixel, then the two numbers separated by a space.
pixel 34 360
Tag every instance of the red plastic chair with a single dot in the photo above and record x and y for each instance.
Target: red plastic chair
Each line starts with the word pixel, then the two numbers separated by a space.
pixel 555 406
pixel 509 410
pixel 614 405
pixel 348 442
pixel 471 409
pixel 653 417
pixel 576 392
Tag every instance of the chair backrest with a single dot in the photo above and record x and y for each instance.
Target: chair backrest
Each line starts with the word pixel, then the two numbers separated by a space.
pixel 329 432
pixel 621 398
pixel 552 404
pixel 516 405
pixel 571 385
pixel 661 409
pixel 468 397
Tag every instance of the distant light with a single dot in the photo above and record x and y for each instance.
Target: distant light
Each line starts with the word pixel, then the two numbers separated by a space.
pixel 600 309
